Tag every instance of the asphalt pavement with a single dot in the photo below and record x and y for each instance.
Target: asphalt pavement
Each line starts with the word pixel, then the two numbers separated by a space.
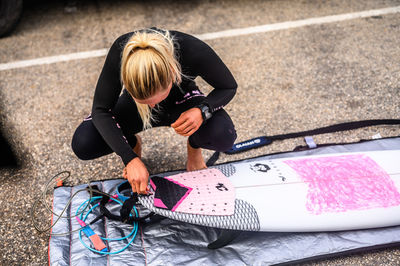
pixel 290 79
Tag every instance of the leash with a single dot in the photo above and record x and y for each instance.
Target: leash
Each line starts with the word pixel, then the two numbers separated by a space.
pixel 129 214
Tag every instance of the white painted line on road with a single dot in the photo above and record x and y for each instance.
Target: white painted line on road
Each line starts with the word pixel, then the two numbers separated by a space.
pixel 297 23
pixel 53 59
pixel 210 36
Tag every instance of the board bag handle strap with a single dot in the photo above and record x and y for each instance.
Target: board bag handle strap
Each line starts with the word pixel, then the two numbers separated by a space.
pixel 266 140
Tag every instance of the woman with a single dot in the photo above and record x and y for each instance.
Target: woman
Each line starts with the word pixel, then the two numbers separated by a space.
pixel 155 70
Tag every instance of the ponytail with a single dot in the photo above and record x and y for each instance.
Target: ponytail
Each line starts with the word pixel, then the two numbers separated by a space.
pixel 148 66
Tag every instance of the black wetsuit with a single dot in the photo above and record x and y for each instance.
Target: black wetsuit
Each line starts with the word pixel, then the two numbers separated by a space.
pixel 115 120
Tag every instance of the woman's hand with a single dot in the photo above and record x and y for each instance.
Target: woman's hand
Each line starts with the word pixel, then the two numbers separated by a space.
pixel 188 122
pixel 137 175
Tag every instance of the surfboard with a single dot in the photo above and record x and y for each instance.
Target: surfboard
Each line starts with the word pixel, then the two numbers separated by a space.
pixel 331 192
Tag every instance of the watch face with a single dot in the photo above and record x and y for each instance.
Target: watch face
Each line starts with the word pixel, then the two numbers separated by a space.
pixel 207 112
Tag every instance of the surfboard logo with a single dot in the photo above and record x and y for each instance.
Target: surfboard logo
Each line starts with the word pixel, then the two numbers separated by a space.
pixel 260 167
pixel 245 144
pixel 265 168
pixel 221 187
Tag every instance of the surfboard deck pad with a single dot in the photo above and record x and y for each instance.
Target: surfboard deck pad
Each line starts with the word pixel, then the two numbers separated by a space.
pixel 203 192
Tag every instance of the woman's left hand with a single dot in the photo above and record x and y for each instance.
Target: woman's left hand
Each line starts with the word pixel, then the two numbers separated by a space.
pixel 188 122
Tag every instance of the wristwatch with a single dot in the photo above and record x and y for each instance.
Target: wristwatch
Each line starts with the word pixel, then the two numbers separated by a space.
pixel 205 111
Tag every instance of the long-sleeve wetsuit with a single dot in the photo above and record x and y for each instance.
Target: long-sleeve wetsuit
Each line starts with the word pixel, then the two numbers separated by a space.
pixel 110 109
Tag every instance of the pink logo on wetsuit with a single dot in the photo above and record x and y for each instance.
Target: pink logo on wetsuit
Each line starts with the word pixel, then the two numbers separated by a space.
pixel 190 95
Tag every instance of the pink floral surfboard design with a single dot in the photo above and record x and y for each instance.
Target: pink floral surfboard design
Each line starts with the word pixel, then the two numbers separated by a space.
pixel 346 182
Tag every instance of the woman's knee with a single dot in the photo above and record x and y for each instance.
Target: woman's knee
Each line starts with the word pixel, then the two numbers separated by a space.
pixel 223 131
pixel 217 134
pixel 223 138
pixel 79 145
pixel 87 143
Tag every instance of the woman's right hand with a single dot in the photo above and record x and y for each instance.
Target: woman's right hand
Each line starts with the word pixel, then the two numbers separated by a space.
pixel 137 175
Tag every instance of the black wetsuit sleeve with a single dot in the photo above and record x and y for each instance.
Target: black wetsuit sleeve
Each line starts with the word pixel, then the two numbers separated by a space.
pixel 212 69
pixel 106 95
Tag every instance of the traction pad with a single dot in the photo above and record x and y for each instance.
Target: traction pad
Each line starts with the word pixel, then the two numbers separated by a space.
pixel 168 242
pixel 168 194
pixel 205 192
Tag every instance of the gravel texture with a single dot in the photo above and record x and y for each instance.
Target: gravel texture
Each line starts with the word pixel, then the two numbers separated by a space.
pixel 289 80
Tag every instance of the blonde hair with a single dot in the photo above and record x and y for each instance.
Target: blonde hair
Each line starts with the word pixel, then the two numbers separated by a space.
pixel 148 66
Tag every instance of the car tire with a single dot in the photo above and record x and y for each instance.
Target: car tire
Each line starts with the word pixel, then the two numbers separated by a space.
pixel 10 14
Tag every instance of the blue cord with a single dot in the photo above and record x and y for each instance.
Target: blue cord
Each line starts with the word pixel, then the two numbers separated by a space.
pixel 133 233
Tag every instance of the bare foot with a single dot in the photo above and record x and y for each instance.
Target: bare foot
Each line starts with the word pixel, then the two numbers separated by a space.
pixel 195 160
pixel 138 147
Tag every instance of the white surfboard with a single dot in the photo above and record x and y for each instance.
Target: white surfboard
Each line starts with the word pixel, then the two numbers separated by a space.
pixel 331 192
